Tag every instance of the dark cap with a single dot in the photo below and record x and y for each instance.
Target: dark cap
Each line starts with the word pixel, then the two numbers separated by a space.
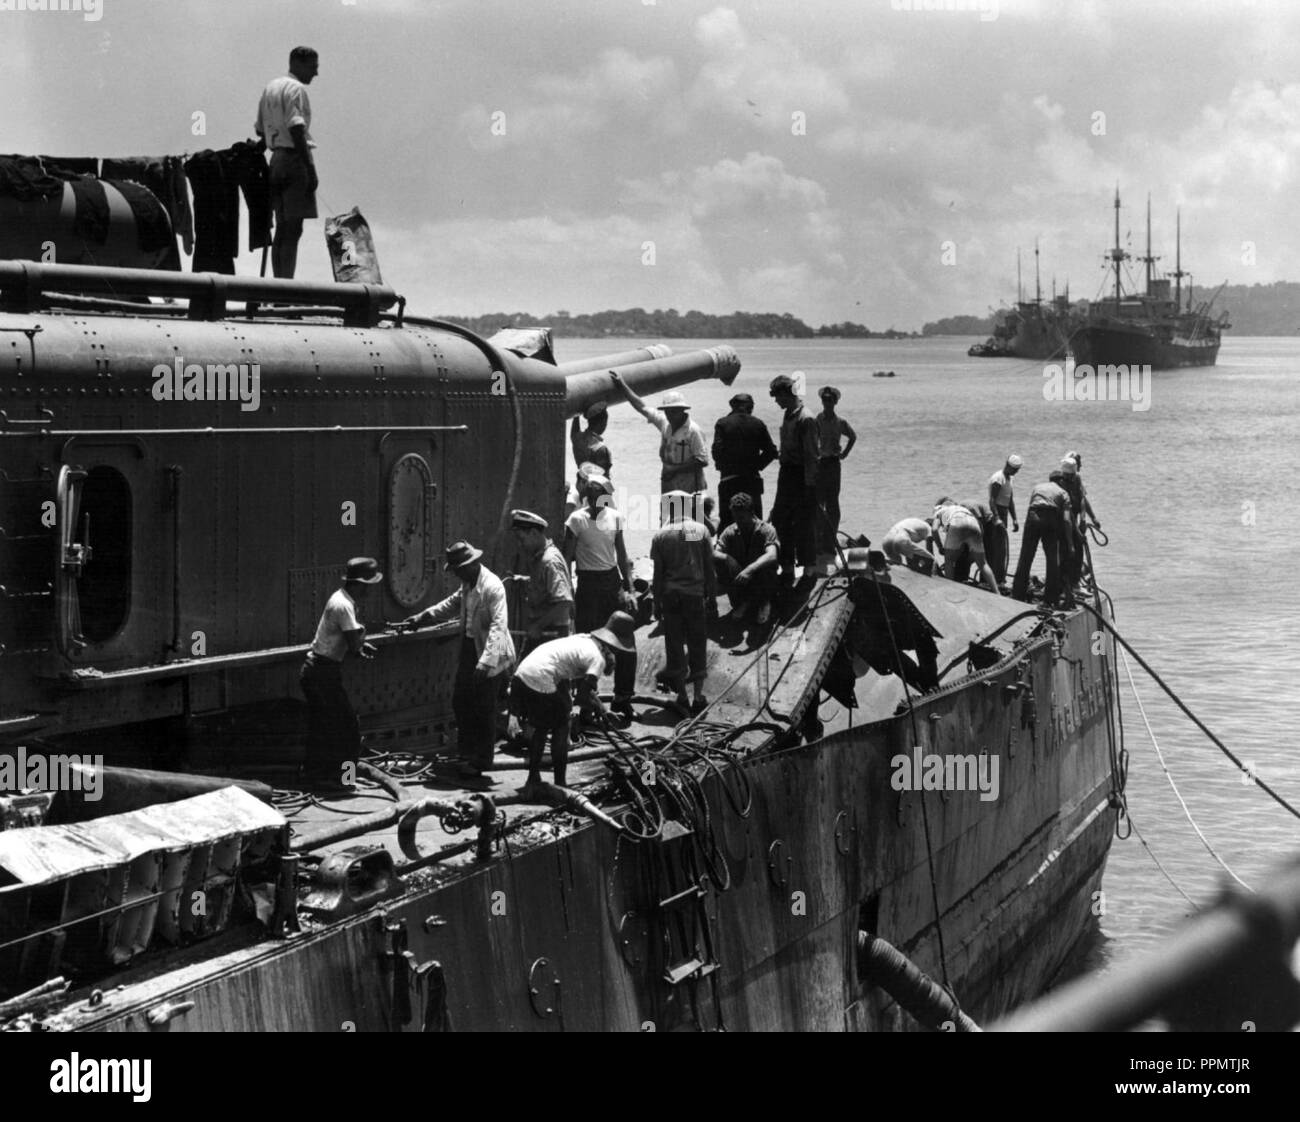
pixel 829 391
pixel 363 570
pixel 741 399
pixel 779 383
pixel 619 632
pixel 527 520
pixel 459 554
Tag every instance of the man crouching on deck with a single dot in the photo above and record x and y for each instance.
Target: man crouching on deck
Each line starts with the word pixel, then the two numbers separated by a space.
pixel 540 694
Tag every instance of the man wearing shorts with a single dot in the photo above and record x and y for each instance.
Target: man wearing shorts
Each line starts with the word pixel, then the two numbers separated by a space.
pixel 958 529
pixel 540 693
pixel 911 542
pixel 284 124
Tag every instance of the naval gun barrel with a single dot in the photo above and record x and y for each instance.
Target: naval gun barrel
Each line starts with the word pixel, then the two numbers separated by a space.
pixel 610 362
pixel 585 389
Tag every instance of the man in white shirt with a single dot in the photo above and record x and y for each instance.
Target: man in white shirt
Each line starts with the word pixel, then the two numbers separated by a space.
pixel 911 541
pixel 1003 501
pixel 958 529
pixel 333 733
pixel 539 693
pixel 681 441
pixel 284 124
pixel 593 538
pixel 487 652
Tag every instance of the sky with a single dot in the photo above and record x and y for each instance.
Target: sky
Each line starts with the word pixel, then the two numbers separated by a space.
pixel 867 160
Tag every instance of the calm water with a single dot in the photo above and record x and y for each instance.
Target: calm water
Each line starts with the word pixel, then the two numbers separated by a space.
pixel 1193 493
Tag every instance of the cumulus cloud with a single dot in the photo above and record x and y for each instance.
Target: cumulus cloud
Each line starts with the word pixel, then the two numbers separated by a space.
pixel 762 81
pixel 615 91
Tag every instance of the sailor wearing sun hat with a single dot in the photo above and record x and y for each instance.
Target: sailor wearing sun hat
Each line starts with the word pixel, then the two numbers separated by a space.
pixel 487 651
pixel 540 693
pixel 681 441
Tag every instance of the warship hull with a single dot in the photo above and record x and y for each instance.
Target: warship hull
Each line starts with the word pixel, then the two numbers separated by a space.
pixel 1139 344
pixel 560 931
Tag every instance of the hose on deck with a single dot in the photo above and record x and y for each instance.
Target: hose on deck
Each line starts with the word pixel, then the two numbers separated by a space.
pixel 884 965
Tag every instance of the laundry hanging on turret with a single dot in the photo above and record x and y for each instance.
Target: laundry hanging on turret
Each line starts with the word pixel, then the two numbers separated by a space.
pixel 216 177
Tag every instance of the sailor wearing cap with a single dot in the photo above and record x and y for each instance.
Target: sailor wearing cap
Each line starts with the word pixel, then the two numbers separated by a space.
pixel 1047 521
pixel 540 692
pixel 487 651
pixel 795 507
pixel 1003 501
pixel 681 441
pixel 1001 494
pixel 333 734
pixel 589 445
pixel 742 448
pixel 960 534
pixel 831 427
pixel 1080 509
pixel 550 589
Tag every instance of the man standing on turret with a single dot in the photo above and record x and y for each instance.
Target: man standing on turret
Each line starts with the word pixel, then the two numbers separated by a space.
pixel 681 443
pixel 284 124
pixel 831 429
pixel 742 448
pixel 796 484
pixel 588 444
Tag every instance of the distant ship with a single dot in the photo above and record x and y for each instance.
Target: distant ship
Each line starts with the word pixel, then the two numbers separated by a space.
pixel 1153 329
pixel 1033 328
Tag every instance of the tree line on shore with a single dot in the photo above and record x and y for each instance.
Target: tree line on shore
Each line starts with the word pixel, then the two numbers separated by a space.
pixel 671 324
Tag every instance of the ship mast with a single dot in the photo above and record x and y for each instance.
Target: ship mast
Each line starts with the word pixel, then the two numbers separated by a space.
pixel 1178 259
pixel 1117 254
pixel 1038 288
pixel 1148 259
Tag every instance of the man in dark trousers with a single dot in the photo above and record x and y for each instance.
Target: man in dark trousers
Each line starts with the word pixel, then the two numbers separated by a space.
pixel 549 596
pixel 333 735
pixel 1047 520
pixel 284 124
pixel 831 429
pixel 487 653
pixel 742 448
pixel 684 577
pixel 746 558
pixel 795 508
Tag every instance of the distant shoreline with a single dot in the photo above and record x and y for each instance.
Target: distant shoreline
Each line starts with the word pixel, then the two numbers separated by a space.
pixel 671 324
